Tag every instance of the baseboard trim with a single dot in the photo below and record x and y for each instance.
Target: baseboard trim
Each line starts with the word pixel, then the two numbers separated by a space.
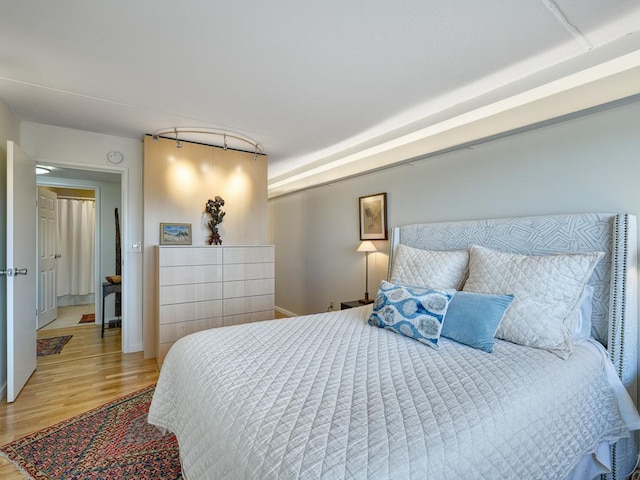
pixel 133 349
pixel 285 312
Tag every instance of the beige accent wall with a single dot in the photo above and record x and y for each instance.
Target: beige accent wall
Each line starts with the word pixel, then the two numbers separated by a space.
pixel 177 184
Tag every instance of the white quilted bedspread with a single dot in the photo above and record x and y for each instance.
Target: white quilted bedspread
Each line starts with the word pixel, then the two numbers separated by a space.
pixel 328 396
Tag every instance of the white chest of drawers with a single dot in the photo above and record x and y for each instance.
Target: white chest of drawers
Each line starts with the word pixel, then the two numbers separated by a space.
pixel 206 287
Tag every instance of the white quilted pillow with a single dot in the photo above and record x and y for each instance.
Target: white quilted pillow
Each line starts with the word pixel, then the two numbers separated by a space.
pixel 429 268
pixel 546 288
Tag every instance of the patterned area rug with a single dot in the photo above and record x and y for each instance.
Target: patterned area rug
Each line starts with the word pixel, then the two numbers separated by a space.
pixel 51 345
pixel 88 318
pixel 110 442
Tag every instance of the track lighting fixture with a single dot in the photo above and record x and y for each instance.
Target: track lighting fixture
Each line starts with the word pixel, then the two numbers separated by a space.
pixel 174 131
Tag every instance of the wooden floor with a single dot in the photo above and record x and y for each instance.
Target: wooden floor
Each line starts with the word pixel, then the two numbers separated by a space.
pixel 89 372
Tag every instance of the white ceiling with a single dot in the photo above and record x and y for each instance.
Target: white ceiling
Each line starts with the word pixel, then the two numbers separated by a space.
pixel 70 174
pixel 327 88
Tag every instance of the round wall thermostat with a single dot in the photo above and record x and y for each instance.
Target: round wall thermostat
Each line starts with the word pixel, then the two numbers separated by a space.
pixel 115 157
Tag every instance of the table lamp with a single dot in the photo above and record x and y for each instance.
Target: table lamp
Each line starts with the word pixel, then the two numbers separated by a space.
pixel 367 247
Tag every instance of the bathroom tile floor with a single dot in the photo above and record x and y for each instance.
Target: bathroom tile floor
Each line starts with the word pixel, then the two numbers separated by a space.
pixel 70 316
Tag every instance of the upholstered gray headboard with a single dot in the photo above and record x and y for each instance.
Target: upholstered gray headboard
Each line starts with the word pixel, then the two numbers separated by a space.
pixel 614 280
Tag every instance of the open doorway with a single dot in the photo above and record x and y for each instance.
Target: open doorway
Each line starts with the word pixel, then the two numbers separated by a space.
pixel 67 251
pixel 86 202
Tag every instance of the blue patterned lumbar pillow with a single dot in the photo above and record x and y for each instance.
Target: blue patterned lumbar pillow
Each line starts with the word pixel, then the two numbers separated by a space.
pixel 474 318
pixel 415 312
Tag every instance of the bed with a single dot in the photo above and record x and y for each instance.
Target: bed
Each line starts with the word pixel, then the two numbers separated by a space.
pixel 332 396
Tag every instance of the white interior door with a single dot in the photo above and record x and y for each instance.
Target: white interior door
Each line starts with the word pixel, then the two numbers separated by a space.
pixel 21 267
pixel 47 256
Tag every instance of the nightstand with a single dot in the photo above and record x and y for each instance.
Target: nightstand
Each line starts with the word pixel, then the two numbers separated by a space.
pixel 352 304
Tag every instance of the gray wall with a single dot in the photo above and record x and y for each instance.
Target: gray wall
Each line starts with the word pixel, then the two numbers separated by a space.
pixel 88 151
pixel 590 163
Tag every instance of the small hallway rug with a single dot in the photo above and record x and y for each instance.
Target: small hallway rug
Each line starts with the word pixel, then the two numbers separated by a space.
pixel 88 318
pixel 110 442
pixel 51 345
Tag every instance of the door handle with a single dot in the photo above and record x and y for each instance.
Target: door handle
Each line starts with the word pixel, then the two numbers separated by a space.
pixel 13 272
pixel 57 255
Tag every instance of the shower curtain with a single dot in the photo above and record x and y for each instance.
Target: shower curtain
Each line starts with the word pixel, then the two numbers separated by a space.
pixel 75 268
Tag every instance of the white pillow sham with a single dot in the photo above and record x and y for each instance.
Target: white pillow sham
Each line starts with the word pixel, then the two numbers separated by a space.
pixel 581 315
pixel 429 268
pixel 547 289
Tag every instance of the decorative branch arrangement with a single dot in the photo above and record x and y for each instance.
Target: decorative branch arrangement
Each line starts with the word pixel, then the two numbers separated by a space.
pixel 217 215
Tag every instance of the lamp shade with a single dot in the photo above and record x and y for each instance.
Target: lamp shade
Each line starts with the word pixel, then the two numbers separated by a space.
pixel 367 246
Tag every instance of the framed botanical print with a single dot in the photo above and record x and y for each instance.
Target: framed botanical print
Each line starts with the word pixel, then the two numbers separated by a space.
pixel 373 217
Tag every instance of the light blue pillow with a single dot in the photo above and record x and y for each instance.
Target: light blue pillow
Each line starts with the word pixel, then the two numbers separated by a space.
pixel 415 312
pixel 474 318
